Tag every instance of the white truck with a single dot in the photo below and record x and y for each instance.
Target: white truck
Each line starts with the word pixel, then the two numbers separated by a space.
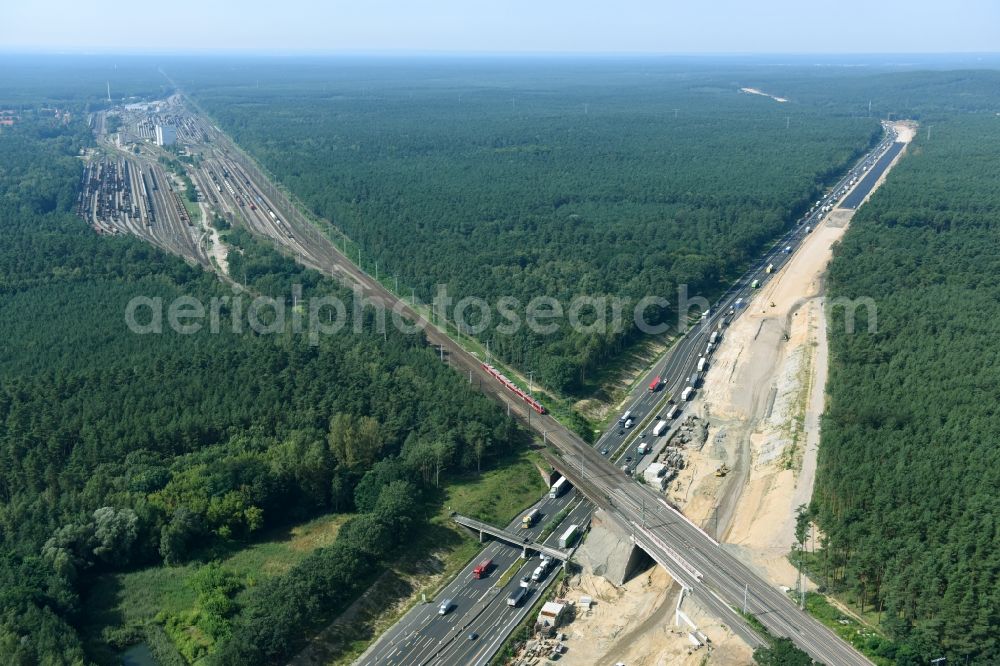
pixel 643 448
pixel 659 428
pixel 673 412
pixel 628 423
pixel 569 536
pixel 445 606
pixel 539 572
pixel 702 362
pixel 687 393
pixel 558 487
pixel 518 595
pixel 714 337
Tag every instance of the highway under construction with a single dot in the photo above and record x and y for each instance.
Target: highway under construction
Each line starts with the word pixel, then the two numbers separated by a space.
pixel 119 197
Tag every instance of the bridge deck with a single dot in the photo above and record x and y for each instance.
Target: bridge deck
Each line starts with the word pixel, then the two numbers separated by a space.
pixel 511 537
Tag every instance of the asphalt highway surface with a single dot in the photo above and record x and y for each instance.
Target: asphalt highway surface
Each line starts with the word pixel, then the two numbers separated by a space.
pixel 424 636
pixel 858 194
pixel 715 577
pixel 678 368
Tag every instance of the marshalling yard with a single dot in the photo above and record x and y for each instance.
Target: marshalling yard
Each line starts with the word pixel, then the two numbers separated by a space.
pixel 169 195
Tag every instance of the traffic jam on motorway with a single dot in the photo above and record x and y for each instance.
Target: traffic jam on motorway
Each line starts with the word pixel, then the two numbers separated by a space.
pixel 690 358
pixel 473 612
pixel 471 617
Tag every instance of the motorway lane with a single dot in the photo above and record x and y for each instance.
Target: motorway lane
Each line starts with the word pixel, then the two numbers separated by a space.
pixel 423 635
pixel 683 356
pixel 496 623
pixel 423 632
pixel 722 580
pixel 861 190
pixel 680 362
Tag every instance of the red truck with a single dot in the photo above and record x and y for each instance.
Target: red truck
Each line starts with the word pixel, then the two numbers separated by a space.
pixel 655 384
pixel 482 569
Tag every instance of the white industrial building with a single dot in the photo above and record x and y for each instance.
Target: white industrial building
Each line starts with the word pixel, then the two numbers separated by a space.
pixel 165 135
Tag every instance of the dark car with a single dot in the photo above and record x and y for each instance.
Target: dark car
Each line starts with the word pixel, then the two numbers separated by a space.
pixel 473 636
pixel 604 452
pixel 628 458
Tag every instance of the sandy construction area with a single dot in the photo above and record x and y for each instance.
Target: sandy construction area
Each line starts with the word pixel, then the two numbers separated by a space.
pixel 634 624
pixel 763 397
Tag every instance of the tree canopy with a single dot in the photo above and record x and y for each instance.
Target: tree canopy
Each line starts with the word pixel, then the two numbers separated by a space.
pixel 909 467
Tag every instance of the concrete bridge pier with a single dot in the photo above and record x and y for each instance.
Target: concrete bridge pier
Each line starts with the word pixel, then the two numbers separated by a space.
pixel 611 552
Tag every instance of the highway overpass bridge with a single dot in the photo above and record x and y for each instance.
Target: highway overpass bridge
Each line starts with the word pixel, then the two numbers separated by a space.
pixel 524 543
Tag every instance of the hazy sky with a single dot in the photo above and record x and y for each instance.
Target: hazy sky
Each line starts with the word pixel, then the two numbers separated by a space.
pixel 588 26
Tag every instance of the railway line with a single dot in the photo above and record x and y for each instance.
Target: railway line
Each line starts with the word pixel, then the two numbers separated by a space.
pixel 694 559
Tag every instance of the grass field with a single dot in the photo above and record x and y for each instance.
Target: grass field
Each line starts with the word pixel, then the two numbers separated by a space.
pixel 121 607
pixel 132 599
pixel 496 496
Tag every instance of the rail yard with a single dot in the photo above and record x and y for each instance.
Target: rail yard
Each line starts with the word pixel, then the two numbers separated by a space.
pixel 133 185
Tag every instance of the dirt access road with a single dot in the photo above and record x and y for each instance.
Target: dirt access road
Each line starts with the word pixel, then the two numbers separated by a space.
pixel 763 399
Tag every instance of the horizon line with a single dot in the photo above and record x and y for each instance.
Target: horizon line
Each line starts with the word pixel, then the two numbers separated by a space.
pixel 285 53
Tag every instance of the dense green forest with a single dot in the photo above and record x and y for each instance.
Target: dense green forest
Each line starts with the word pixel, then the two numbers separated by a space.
pixel 121 450
pixel 908 486
pixel 538 179
pixel 29 81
